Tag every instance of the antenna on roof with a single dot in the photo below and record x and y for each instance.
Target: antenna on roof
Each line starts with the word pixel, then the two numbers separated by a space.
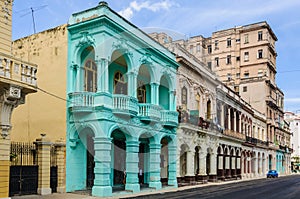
pixel 32 10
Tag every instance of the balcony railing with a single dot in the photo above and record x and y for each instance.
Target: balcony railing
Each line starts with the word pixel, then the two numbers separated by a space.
pixel 169 118
pixel 234 134
pixel 149 112
pixel 123 104
pixel 17 70
pixel 82 101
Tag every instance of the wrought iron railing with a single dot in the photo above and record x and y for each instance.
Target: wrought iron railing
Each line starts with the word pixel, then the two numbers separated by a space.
pixel 149 110
pixel 23 153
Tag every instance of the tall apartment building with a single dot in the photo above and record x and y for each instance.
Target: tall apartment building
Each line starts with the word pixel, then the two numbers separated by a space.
pixel 244 58
pixel 294 120
pixel 17 79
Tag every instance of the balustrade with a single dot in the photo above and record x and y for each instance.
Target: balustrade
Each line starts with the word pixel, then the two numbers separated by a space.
pixel 17 70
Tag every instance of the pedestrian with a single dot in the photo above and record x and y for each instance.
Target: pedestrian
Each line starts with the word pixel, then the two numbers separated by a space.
pixel 140 175
pixel 124 176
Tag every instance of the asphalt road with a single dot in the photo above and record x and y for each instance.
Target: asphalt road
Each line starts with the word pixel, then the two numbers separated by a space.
pixel 285 187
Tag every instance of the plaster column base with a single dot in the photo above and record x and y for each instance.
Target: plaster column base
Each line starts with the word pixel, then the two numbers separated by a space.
pixel 101 191
pixel 132 187
pixel 44 191
pixel 213 178
pixel 61 189
pixel 173 183
pixel 155 185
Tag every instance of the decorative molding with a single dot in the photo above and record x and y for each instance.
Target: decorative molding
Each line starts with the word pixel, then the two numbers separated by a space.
pixel 86 39
pixel 146 59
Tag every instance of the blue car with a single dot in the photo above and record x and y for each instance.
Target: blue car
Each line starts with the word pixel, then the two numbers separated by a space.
pixel 272 174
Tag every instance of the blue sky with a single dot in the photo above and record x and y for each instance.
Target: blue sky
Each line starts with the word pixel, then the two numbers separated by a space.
pixel 187 18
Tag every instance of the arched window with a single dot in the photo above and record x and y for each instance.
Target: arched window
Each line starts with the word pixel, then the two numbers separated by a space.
pixel 142 94
pixel 208 108
pixel 90 76
pixel 184 96
pixel 120 86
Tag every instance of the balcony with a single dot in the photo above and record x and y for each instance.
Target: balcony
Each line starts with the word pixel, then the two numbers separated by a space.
pixel 169 118
pixel 234 134
pixel 21 73
pixel 251 140
pixel 149 112
pixel 125 105
pixel 81 101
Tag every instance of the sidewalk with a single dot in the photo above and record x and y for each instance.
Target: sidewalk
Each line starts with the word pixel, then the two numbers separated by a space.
pixel 125 194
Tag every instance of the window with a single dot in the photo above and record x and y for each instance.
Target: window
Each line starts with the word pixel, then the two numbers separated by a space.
pixel 120 86
pixel 216 61
pixel 198 48
pixel 209 65
pixel 238 40
pixel 260 54
pixel 216 45
pixel 209 50
pixel 228 42
pixel 238 75
pixel 191 49
pixel 260 73
pixel 184 96
pixel 260 35
pixel 228 76
pixel 246 56
pixel 90 76
pixel 238 58
pixel 228 59
pixel 141 94
pixel 208 110
pixel 246 74
pixel 246 38
pixel 244 88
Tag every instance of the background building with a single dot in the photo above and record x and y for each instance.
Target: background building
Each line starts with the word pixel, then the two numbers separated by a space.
pixel 17 79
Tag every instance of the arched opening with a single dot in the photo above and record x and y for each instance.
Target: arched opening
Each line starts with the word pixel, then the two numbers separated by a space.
pixel 118 160
pixel 90 69
pixel 270 161
pixel 183 160
pixel 164 97
pixel 238 164
pixel 208 110
pixel 117 74
pixel 143 85
pixel 197 160
pixel 164 160
pixel 208 156
pixel 90 162
pixel 220 170
pixel 227 163
pixel 144 160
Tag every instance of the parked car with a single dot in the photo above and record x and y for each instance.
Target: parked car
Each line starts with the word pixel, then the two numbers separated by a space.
pixel 272 174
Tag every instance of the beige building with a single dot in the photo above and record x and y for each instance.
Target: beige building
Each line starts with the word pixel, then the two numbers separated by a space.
pixel 44 112
pixel 244 58
pixel 17 79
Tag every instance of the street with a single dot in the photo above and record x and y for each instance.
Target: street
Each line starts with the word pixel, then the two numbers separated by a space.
pixel 285 187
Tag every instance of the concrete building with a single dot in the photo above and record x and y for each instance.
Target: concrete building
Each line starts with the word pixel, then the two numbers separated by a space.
pixel 121 114
pixel 244 58
pixel 17 79
pixel 294 123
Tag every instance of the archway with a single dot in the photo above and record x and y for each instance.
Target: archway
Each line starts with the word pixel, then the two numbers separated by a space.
pixel 144 160
pixel 143 85
pixel 197 160
pixel 164 97
pixel 118 68
pixel 183 160
pixel 220 157
pixel 164 160
pixel 118 159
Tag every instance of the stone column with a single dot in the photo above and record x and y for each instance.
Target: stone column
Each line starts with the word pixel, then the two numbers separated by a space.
pixel 155 166
pixel 233 166
pixel 4 166
pixel 190 163
pixel 202 170
pixel 60 161
pixel 132 169
pixel 172 180
pixel 43 146
pixel 213 167
pixel 220 166
pixel 229 119
pixel 154 93
pixel 234 121
pixel 238 167
pixel 222 116
pixel 132 83
pixel 102 183
pixel 172 101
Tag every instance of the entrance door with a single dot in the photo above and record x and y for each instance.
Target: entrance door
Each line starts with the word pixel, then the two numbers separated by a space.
pixel 90 165
pixel 119 161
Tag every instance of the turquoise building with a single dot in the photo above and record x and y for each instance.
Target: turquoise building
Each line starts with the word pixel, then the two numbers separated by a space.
pixel 121 108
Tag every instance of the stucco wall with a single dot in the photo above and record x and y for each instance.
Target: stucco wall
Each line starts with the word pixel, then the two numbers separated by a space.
pixel 42 112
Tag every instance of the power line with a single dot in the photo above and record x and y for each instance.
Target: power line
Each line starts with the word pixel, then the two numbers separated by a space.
pixel 53 95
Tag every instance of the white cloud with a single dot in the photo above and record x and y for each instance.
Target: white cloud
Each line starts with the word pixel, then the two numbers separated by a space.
pixel 138 6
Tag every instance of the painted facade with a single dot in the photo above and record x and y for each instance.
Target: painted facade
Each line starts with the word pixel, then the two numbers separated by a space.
pixel 17 79
pixel 121 114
